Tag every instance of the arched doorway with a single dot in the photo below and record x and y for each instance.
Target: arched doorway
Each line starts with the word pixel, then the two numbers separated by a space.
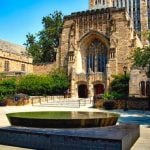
pixel 98 89
pixel 82 91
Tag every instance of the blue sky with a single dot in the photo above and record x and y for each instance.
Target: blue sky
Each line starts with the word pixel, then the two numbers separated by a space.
pixel 19 17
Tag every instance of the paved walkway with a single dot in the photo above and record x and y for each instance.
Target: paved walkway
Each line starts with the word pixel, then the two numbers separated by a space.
pixel 141 144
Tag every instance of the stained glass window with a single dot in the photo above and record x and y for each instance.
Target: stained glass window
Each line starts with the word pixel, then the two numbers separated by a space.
pixel 96 57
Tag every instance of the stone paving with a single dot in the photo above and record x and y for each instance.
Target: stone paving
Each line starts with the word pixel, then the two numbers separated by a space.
pixel 141 144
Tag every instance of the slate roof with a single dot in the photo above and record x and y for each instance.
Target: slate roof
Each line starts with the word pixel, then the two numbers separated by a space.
pixel 11 47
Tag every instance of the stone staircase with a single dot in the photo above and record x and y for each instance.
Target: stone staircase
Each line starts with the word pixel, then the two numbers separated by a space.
pixel 62 102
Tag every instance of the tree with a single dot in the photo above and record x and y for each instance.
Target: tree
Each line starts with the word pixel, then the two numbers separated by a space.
pixel 141 56
pixel 44 49
pixel 33 48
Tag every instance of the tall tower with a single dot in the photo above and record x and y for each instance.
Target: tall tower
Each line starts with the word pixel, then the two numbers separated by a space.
pixel 138 10
pixel 98 4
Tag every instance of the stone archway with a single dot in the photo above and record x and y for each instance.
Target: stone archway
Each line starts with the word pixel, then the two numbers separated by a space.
pixel 93 53
pixel 98 89
pixel 82 91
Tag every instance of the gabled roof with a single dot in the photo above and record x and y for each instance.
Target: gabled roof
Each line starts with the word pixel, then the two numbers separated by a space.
pixel 11 47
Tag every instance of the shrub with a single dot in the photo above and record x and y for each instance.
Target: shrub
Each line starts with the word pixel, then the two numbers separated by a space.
pixel 60 81
pixel 7 88
pixel 108 96
pixel 120 86
pixel 53 84
pixel 32 85
pixel 116 95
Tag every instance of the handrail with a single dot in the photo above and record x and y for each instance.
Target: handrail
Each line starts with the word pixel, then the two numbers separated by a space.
pixel 59 100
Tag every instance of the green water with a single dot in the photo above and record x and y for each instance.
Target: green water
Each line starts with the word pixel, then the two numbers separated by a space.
pixel 41 115
pixel 61 115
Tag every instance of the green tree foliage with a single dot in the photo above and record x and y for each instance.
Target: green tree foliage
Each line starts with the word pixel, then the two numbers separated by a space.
pixel 59 80
pixel 120 86
pixel 42 46
pixel 141 56
pixel 33 48
pixel 30 84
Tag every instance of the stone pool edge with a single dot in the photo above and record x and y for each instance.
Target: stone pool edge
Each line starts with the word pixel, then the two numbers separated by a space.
pixel 120 137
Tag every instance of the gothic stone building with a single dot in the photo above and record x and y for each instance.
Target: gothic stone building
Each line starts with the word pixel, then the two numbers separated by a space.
pixel 95 44
pixel 14 60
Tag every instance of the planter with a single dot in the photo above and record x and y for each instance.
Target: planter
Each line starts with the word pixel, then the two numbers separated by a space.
pixel 2 103
pixel 109 104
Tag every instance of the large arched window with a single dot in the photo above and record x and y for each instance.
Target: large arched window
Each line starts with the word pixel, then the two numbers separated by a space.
pixel 96 57
pixel 148 88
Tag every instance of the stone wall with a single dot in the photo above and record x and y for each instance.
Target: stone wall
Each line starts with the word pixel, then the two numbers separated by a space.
pixel 138 103
pixel 44 68
pixel 136 76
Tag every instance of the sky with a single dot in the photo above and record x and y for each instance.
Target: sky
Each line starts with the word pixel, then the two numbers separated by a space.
pixel 20 17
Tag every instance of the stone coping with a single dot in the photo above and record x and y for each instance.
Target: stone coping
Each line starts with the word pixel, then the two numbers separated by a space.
pixel 93 11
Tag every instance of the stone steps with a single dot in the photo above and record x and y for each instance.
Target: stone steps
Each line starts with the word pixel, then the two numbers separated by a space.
pixel 64 103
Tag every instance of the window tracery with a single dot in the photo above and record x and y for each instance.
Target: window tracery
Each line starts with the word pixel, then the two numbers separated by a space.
pixel 145 88
pixel 96 57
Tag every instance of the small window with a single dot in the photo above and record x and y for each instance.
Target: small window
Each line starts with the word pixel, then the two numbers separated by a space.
pixel 22 67
pixel 142 88
pixel 103 2
pixel 6 66
pixel 148 88
pixel 113 4
pixel 95 2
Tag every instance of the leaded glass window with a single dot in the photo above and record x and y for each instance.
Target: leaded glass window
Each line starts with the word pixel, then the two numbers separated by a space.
pixel 96 58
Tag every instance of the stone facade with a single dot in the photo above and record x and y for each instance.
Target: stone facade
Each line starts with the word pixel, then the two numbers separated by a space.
pixel 139 85
pixel 95 45
pixel 138 10
pixel 13 60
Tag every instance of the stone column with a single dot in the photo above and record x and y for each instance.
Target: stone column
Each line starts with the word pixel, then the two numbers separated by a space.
pixel 91 4
pixel 144 19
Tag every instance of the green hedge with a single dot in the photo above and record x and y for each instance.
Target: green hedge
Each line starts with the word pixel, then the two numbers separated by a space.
pixel 7 88
pixel 53 84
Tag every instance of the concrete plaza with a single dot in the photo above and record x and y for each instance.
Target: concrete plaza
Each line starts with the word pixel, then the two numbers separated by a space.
pixel 141 144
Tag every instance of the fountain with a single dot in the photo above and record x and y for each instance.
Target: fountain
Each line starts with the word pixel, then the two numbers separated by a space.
pixel 61 130
pixel 63 119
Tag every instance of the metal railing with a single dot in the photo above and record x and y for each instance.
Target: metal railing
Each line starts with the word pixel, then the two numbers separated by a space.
pixel 59 101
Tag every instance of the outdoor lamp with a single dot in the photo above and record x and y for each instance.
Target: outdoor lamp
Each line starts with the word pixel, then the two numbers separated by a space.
pixel 125 69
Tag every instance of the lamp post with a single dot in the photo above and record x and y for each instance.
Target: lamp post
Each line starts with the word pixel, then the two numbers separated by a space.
pixel 125 75
pixel 88 80
pixel 148 76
